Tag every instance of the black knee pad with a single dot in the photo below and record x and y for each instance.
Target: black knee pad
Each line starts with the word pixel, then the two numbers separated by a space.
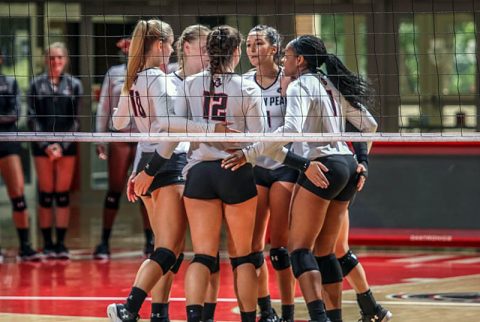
pixel 177 264
pixel 205 260
pixel 330 269
pixel 279 258
pixel 248 259
pixel 45 199
pixel 348 262
pixel 164 257
pixel 62 199
pixel 303 261
pixel 216 269
pixel 112 200
pixel 257 259
pixel 19 203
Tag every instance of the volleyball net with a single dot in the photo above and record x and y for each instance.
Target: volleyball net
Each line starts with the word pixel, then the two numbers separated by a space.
pixel 421 58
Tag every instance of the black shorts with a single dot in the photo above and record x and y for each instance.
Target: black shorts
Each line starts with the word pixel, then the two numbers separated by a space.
pixel 171 172
pixel 208 180
pixel 71 149
pixel 267 177
pixel 9 148
pixel 342 177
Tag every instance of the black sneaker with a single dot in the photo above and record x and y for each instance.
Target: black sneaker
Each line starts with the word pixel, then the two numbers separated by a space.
pixel 62 251
pixel 118 313
pixel 102 251
pixel 148 249
pixel 272 317
pixel 49 252
pixel 381 315
pixel 27 254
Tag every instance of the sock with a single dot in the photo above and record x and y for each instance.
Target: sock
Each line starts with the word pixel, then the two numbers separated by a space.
pixel 288 312
pixel 316 310
pixel 135 300
pixel 23 236
pixel 208 311
pixel 248 316
pixel 367 302
pixel 265 305
pixel 335 315
pixel 106 235
pixel 194 313
pixel 159 312
pixel 61 235
pixel 47 237
pixel 149 236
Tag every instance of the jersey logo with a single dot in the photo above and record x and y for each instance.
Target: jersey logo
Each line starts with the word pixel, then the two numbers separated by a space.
pixel 138 109
pixel 217 82
pixel 214 106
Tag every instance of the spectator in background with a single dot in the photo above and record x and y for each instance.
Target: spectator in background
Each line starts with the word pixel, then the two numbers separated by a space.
pixel 54 99
pixel 120 156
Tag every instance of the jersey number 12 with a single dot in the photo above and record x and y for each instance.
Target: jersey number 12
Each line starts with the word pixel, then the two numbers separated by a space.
pixel 214 106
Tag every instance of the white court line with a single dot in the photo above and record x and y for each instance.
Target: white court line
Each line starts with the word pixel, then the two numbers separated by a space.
pixel 421 259
pixel 223 300
pixel 472 260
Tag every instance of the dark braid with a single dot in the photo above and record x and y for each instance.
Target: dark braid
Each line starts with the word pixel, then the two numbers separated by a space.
pixel 221 44
pixel 356 90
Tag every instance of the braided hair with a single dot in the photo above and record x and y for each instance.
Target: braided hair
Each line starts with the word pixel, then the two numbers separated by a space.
pixel 221 44
pixel 356 90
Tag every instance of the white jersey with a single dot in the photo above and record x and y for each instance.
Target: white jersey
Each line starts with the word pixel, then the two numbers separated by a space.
pixel 226 97
pixel 275 105
pixel 151 103
pixel 109 95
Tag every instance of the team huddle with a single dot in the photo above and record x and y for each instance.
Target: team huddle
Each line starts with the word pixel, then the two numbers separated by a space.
pixel 300 190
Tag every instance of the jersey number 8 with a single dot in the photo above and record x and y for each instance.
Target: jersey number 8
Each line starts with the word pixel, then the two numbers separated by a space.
pixel 214 106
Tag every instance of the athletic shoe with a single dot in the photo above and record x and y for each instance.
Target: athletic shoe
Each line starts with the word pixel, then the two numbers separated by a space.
pixel 272 317
pixel 118 313
pixel 27 254
pixel 381 315
pixel 62 251
pixel 148 249
pixel 49 252
pixel 102 251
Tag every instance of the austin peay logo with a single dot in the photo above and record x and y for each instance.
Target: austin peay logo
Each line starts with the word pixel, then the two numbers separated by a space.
pixel 217 82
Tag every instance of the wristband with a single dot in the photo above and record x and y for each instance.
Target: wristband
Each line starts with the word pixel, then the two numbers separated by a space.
pixel 365 164
pixel 297 162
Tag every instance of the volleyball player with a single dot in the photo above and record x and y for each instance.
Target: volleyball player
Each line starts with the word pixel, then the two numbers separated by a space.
pixel 146 97
pixel 213 193
pixel 54 100
pixel 119 156
pixel 274 181
pixel 11 164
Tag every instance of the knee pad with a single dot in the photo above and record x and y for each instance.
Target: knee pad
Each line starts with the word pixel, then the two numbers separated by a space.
pixel 257 259
pixel 164 257
pixel 18 203
pixel 216 269
pixel 330 269
pixel 205 260
pixel 62 199
pixel 177 264
pixel 112 200
pixel 247 259
pixel 348 262
pixel 279 258
pixel 45 199
pixel 303 261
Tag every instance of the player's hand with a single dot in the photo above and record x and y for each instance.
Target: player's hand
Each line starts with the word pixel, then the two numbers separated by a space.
pixel 131 196
pixel 235 160
pixel 222 127
pixel 362 176
pixel 101 151
pixel 54 151
pixel 141 183
pixel 315 173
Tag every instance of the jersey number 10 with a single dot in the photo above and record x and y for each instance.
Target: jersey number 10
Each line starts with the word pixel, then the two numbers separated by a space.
pixel 214 106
